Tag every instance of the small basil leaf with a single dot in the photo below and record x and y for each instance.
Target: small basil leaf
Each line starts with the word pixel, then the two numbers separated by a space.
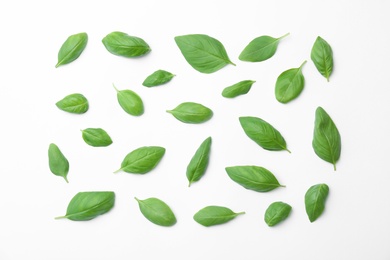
pixel 202 52
pixel 315 199
pixel 192 113
pixel 122 44
pixel 322 56
pixel 157 212
pixel 276 213
pixel 96 137
pixel 253 178
pixel 199 162
pixel 73 103
pixel 58 164
pixel 89 205
pixel 289 84
pixel 326 138
pixel 238 89
pixel 263 134
pixel 157 78
pixel 142 160
pixel 260 49
pixel 215 215
pixel 72 48
pixel 130 102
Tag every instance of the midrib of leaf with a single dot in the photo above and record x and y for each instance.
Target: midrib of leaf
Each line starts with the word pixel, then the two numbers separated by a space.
pixel 261 183
pixel 224 216
pixel 130 47
pixel 325 67
pixel 185 113
pixel 211 54
pixel 67 55
pixel 197 165
pixel 329 143
pixel 94 135
pixel 84 211
pixel 76 106
pixel 265 46
pixel 316 199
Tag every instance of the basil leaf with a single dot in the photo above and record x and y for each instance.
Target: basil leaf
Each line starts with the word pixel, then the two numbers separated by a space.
pixel 276 213
pixel 157 78
pixel 215 215
pixel 326 138
pixel 202 52
pixel 315 199
pixel 73 103
pixel 322 56
pixel 289 84
pixel 192 113
pixel 122 44
pixel 253 178
pixel 89 205
pixel 142 160
pixel 237 89
pixel 130 102
pixel 96 137
pixel 157 212
pixel 199 162
pixel 58 164
pixel 72 48
pixel 263 134
pixel 260 49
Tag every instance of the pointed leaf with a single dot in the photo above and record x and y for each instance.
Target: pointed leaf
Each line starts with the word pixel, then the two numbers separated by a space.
pixel 122 44
pixel 96 137
pixel 130 102
pixel 58 164
pixel 238 89
pixel 199 162
pixel 158 78
pixel 215 215
pixel 276 213
pixel 289 84
pixel 72 48
pixel 192 113
pixel 157 212
pixel 142 160
pixel 73 103
pixel 322 56
pixel 315 199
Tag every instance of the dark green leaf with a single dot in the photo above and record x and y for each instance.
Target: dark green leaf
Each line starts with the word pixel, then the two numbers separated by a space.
pixel 96 137
pixel 142 160
pixel 199 162
pixel 72 48
pixel 238 89
pixel 73 103
pixel 192 113
pixel 157 212
pixel 130 102
pixel 322 56
pixel 315 199
pixel 122 44
pixel 289 84
pixel 276 213
pixel 58 164
pixel 215 215
pixel 157 78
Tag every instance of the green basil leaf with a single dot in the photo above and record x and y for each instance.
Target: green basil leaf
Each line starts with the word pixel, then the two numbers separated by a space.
pixel 72 48
pixel 253 178
pixel 202 52
pixel 142 160
pixel 199 162
pixel 157 78
pixel 192 113
pixel 96 137
pixel 276 213
pixel 326 138
pixel 260 49
pixel 122 44
pixel 157 212
pixel 89 205
pixel 263 134
pixel 315 199
pixel 215 215
pixel 289 84
pixel 322 56
pixel 58 164
pixel 130 102
pixel 73 103
pixel 238 89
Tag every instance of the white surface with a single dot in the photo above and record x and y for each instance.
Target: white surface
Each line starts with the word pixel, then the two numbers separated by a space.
pixel 355 224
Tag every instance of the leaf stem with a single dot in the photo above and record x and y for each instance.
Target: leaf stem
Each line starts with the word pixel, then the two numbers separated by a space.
pixel 287 34
pixel 334 166
pixel 115 87
pixel 230 62
pixel 240 213
pixel 303 63
pixel 283 186
pixel 287 150
pixel 136 199
pixel 66 179
pixel 60 217
pixel 118 170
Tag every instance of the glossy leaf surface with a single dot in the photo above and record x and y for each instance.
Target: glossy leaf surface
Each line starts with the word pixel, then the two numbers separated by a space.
pixel 157 212
pixel 238 89
pixel 72 48
pixel 199 162
pixel 122 44
pixel 276 213
pixel 191 113
pixel 315 199
pixel 130 102
pixel 322 56
pixel 158 78
pixel 289 84
pixel 142 160
pixel 215 215
pixel 96 137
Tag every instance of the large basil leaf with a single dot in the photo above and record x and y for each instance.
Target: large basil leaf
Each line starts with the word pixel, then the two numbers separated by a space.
pixel 158 78
pixel 191 113
pixel 72 48
pixel 96 137
pixel 238 89
pixel 157 212
pixel 315 199
pixel 322 56
pixel 199 162
pixel 289 84
pixel 130 102
pixel 122 44
pixel 142 160
pixel 215 215
pixel 73 103
pixel 276 213
pixel 58 163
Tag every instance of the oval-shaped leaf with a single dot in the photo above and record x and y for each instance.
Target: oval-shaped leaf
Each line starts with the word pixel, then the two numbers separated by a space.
pixel 322 56
pixel 253 178
pixel 199 162
pixel 326 138
pixel 158 78
pixel 315 199
pixel 72 48
pixel 260 49
pixel 202 52
pixel 157 212
pixel 142 160
pixel 276 213
pixel 289 84
pixel 238 89
pixel 58 164
pixel 192 113
pixel 215 215
pixel 122 44
pixel 96 137
pixel 73 103
pixel 89 205
pixel 130 102
pixel 263 133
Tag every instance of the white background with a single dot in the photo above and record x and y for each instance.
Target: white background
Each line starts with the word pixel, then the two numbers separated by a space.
pixel 356 221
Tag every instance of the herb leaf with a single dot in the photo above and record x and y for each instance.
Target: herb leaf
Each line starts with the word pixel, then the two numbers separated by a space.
pixel 72 48
pixel 58 164
pixel 192 113
pixel 289 84
pixel 315 199
pixel 142 160
pixel 263 133
pixel 96 137
pixel 89 205
pixel 326 138
pixel 130 102
pixel 238 89
pixel 215 215
pixel 202 52
pixel 199 162
pixel 157 78
pixel 276 213
pixel 322 56
pixel 122 44
pixel 157 212
pixel 253 178
pixel 73 103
